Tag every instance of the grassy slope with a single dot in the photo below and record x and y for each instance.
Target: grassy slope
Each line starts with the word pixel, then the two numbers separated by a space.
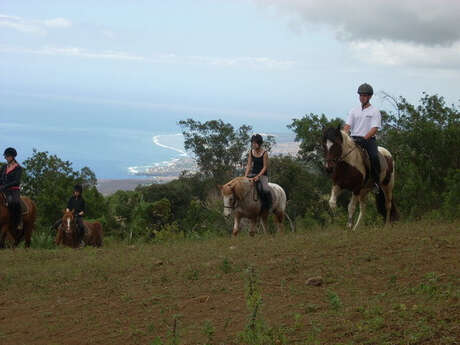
pixel 396 286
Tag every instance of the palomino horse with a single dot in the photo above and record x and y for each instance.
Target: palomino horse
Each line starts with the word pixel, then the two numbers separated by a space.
pixel 67 233
pixel 345 159
pixel 240 197
pixel 28 221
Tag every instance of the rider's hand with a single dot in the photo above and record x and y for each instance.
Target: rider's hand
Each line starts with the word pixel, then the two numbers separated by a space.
pixel 255 179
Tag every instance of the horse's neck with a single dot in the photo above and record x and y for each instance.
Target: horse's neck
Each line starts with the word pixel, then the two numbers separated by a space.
pixel 351 153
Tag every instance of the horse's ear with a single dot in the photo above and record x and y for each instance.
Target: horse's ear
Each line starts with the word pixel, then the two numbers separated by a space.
pixel 339 126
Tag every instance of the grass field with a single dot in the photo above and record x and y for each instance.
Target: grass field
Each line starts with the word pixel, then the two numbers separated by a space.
pixel 395 286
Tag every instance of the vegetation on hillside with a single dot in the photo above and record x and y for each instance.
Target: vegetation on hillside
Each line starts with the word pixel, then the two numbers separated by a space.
pixel 424 140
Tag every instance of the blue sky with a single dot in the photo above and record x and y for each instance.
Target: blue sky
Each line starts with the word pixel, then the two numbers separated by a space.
pixel 261 62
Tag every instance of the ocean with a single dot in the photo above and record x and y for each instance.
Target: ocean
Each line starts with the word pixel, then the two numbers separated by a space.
pixel 115 142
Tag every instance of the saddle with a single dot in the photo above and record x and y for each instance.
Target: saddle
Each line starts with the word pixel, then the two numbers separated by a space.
pixel 24 208
pixel 366 160
pixel 384 164
pixel 257 193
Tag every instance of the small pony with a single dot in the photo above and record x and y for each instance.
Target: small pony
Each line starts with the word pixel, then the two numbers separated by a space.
pixel 67 233
pixel 240 197
pixel 347 163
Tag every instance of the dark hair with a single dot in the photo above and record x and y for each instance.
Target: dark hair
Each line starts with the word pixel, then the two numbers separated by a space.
pixel 257 138
pixel 78 188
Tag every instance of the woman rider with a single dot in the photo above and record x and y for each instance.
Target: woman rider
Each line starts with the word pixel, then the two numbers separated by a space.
pixel 10 180
pixel 257 170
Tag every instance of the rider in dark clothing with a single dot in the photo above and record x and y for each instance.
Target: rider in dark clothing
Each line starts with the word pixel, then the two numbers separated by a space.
pixel 257 170
pixel 10 180
pixel 76 204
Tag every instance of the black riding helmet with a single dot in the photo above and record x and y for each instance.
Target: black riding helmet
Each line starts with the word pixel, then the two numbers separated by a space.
pixel 10 152
pixel 365 89
pixel 78 188
pixel 257 138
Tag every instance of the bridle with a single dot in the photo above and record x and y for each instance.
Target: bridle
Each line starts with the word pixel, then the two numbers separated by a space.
pixel 69 221
pixel 234 203
pixel 235 200
pixel 340 159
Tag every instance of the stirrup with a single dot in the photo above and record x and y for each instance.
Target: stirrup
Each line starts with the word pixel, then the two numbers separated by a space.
pixel 375 188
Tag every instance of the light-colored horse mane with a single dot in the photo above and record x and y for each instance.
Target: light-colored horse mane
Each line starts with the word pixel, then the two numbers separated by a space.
pixel 238 186
pixel 352 152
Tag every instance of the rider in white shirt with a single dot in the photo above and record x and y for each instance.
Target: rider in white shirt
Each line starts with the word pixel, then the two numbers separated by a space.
pixel 364 122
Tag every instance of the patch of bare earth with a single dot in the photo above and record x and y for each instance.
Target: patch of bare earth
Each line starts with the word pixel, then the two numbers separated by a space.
pixel 374 286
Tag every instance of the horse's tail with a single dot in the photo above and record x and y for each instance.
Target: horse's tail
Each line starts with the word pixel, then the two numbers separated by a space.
pixel 394 213
pixel 291 225
pixel 381 207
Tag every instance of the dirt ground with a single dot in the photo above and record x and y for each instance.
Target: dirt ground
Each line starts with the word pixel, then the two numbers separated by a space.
pixel 395 286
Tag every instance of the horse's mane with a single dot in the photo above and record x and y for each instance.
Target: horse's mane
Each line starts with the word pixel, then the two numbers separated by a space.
pixel 236 180
pixel 347 141
pixel 237 185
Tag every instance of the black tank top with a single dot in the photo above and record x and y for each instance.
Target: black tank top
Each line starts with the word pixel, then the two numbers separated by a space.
pixel 258 164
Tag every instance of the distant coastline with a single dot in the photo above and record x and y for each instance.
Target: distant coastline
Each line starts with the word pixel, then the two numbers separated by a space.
pixel 169 170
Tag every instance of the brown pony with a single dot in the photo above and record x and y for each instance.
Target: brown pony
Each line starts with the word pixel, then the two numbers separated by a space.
pixel 28 220
pixel 67 233
pixel 348 165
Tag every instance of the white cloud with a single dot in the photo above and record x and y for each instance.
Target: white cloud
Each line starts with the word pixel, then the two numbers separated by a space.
pixel 428 22
pixel 33 26
pixel 19 24
pixel 74 51
pixel 252 62
pixel 408 54
pixel 418 33
pixel 57 23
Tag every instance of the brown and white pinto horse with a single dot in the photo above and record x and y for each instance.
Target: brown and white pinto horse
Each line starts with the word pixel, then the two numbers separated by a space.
pixel 67 233
pixel 28 220
pixel 345 160
pixel 240 198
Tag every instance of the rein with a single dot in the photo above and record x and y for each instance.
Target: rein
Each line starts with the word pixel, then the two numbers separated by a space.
pixel 340 159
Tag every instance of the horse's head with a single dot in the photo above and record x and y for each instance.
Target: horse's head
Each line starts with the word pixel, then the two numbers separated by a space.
pixel 332 144
pixel 228 195
pixel 68 221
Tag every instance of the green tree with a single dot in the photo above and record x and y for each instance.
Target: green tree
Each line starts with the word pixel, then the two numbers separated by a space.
pixel 424 141
pixel 49 181
pixel 308 131
pixel 218 146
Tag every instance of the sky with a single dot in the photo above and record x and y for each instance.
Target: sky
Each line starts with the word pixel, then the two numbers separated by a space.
pixel 140 63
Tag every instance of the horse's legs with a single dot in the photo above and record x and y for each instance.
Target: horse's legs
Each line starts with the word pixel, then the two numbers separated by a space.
pixel 351 209
pixel 236 224
pixel 335 192
pixel 362 208
pixel 279 218
pixel 388 192
pixel 264 222
pixel 253 226
pixel 3 233
pixel 28 229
